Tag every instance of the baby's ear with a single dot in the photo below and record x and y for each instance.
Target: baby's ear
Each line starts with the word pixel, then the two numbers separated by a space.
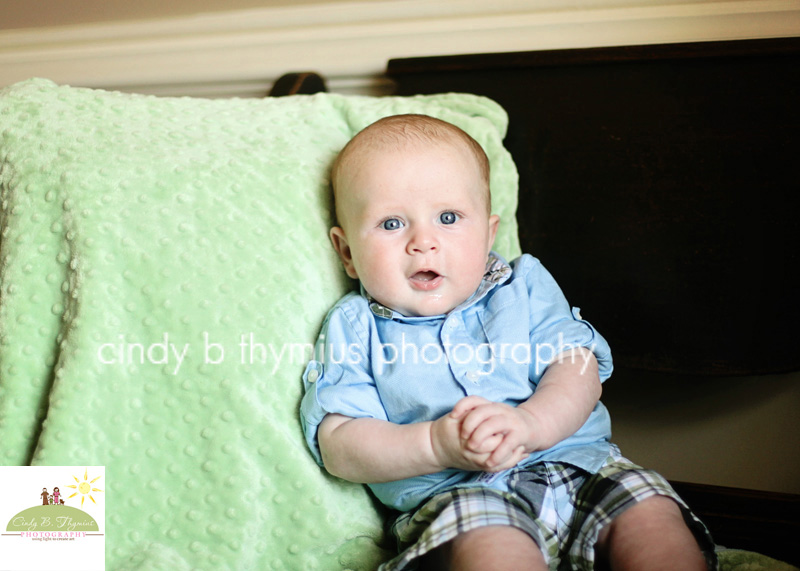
pixel 339 241
pixel 494 222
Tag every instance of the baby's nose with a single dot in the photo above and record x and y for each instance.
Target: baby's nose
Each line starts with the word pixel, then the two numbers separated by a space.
pixel 422 241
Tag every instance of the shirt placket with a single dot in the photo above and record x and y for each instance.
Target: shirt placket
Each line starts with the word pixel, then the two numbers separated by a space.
pixel 464 354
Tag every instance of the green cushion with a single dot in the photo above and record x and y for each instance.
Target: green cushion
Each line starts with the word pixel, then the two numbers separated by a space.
pixel 187 227
pixel 739 560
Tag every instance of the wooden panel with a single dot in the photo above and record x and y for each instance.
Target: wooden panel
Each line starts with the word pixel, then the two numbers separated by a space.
pixel 658 184
pixel 764 522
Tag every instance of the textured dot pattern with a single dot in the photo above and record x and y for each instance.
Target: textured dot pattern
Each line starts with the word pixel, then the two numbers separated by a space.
pixel 165 263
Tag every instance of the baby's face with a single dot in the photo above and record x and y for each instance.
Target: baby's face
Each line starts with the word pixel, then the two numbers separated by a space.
pixel 415 226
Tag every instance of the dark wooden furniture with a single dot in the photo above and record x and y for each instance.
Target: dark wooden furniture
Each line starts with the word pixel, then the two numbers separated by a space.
pixel 764 522
pixel 659 185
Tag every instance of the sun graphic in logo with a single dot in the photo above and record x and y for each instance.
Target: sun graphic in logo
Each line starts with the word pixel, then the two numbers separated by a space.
pixel 85 488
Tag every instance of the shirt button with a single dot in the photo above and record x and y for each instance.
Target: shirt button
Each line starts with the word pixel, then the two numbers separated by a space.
pixel 473 376
pixel 312 376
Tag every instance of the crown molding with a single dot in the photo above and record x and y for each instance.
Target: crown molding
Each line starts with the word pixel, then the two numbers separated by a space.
pixel 240 53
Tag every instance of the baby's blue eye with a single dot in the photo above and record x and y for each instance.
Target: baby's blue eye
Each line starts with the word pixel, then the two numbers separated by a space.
pixel 391 224
pixel 448 217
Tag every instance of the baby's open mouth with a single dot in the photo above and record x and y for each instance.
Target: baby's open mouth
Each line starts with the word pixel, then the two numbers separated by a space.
pixel 425 276
pixel 426 280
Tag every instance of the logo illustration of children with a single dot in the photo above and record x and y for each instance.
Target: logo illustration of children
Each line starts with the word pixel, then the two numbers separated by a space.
pixel 56 493
pixel 44 495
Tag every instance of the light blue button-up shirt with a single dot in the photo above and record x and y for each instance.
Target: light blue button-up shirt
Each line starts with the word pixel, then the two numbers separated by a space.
pixel 373 362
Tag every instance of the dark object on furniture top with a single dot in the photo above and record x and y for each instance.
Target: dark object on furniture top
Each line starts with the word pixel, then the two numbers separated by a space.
pixel 764 522
pixel 305 83
pixel 658 184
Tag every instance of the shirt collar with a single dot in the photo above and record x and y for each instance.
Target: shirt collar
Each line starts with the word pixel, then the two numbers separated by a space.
pixel 497 271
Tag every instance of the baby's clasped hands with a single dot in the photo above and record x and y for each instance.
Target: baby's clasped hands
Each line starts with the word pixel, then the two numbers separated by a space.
pixel 480 435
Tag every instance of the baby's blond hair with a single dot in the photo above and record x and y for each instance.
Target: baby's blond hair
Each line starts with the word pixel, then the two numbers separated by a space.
pixel 395 131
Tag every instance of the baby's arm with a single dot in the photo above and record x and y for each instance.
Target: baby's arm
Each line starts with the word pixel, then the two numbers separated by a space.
pixel 369 450
pixel 565 397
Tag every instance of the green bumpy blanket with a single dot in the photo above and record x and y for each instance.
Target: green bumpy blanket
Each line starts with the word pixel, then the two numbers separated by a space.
pixel 165 269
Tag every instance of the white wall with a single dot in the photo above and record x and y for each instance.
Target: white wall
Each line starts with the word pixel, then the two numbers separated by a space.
pixel 17 14
pixel 168 49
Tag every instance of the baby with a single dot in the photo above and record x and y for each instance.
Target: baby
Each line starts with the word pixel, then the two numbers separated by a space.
pixel 463 389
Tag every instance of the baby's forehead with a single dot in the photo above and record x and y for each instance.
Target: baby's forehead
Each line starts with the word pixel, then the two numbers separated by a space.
pixel 370 144
pixel 395 135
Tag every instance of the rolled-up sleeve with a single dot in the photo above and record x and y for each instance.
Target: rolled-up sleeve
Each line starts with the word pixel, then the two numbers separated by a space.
pixel 555 326
pixel 338 380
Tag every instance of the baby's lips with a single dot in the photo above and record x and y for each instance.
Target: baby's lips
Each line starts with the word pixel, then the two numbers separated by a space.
pixel 426 280
pixel 425 275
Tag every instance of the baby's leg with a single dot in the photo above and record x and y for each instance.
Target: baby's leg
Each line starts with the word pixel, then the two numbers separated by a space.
pixel 497 548
pixel 650 535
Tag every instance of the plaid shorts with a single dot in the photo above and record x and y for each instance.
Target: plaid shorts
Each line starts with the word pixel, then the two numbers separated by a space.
pixel 563 508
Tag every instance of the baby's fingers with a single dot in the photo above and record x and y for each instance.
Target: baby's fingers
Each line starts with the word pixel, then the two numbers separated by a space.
pixel 489 426
pixel 485 446
pixel 517 455
pixel 466 405
pixel 507 450
pixel 476 418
